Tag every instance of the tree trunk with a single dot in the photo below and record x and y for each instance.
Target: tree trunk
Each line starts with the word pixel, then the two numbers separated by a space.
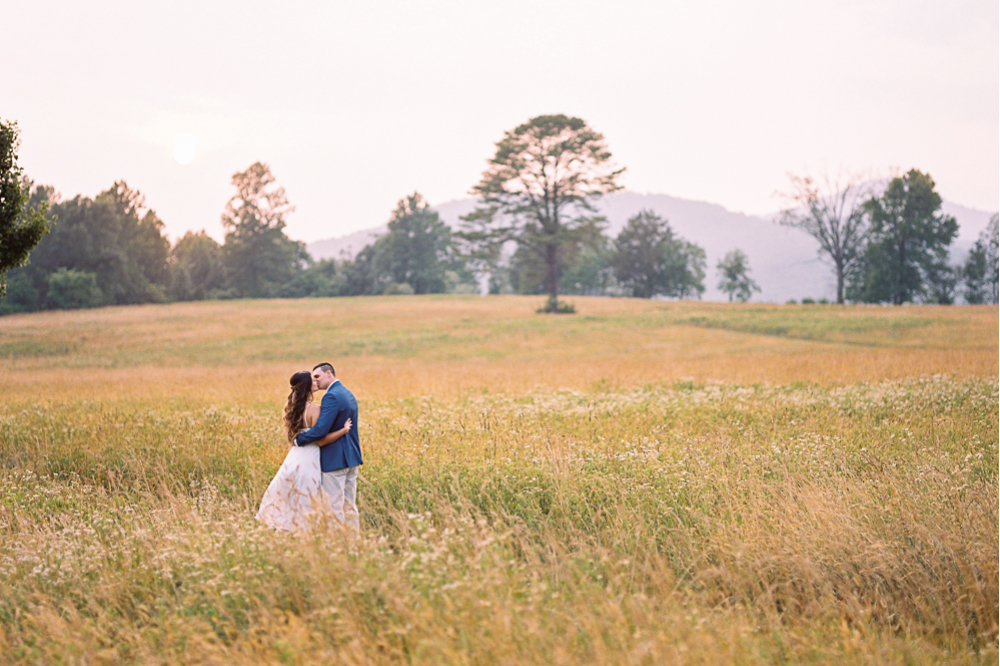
pixel 552 280
pixel 840 284
pixel 900 274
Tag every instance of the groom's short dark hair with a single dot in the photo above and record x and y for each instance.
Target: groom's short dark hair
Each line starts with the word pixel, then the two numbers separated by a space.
pixel 325 367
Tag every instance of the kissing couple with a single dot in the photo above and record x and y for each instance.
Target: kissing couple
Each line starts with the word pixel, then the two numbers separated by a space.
pixel 320 472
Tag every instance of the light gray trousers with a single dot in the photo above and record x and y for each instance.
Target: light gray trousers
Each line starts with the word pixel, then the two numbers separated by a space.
pixel 341 488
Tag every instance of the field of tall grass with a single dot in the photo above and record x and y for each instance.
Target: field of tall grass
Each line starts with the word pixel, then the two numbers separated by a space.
pixel 639 483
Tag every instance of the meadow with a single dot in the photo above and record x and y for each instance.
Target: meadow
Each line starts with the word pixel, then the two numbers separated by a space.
pixel 639 483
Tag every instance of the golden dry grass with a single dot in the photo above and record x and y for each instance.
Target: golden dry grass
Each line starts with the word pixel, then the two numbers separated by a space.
pixel 641 483
pixel 392 347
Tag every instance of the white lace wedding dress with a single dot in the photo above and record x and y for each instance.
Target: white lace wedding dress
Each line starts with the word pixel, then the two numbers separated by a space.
pixel 290 497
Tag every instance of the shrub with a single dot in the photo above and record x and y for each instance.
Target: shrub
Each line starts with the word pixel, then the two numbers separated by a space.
pixel 397 289
pixel 21 294
pixel 70 289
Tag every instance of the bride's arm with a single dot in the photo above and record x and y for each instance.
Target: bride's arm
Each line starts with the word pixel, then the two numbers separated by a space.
pixel 336 434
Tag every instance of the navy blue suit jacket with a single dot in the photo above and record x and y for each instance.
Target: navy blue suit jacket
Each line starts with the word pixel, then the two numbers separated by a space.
pixel 337 406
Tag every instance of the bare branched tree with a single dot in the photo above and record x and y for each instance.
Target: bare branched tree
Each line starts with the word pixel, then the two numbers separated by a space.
pixel 834 215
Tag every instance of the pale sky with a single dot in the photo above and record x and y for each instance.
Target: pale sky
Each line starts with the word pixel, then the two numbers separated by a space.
pixel 356 104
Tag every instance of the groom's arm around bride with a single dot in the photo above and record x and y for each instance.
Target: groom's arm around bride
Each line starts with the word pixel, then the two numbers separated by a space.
pixel 340 460
pixel 337 406
pixel 331 411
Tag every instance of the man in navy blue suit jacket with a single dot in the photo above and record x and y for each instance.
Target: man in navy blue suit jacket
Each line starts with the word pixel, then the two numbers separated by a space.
pixel 339 460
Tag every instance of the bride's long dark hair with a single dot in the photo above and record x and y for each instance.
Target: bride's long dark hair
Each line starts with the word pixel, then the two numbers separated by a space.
pixel 302 383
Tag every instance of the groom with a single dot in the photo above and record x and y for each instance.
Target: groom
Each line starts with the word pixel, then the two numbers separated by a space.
pixel 341 459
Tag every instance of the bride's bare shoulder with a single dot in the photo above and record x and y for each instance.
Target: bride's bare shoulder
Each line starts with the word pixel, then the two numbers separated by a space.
pixel 312 414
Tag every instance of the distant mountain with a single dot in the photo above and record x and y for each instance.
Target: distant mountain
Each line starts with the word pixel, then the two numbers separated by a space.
pixel 783 261
pixel 970 221
pixel 348 246
pixel 344 247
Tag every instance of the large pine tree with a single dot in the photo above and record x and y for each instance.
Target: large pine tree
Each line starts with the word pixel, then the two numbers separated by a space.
pixel 539 191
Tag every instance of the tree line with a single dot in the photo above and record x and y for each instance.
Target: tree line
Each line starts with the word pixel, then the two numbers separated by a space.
pixel 535 231
pixel 892 246
pixel 112 250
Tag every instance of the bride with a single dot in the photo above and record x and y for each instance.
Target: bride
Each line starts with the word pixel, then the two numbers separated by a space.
pixel 292 493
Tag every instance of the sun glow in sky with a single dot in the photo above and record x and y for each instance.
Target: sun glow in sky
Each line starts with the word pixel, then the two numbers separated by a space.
pixel 355 105
pixel 185 148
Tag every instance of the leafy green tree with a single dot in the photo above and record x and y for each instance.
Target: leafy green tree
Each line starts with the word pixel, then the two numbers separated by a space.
pixel 734 274
pixel 359 274
pixel 26 284
pixel 22 295
pixel 397 289
pixel 526 271
pixel 111 236
pixel 144 250
pixel 417 250
pixel 835 216
pixel 195 267
pixel 649 260
pixel 71 289
pixel 942 283
pixel 84 237
pixel 21 226
pixel 981 271
pixel 588 270
pixel 539 192
pixel 258 257
pixel 40 197
pixel 582 262
pixel 908 242
pixel 318 279
pixel 461 280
